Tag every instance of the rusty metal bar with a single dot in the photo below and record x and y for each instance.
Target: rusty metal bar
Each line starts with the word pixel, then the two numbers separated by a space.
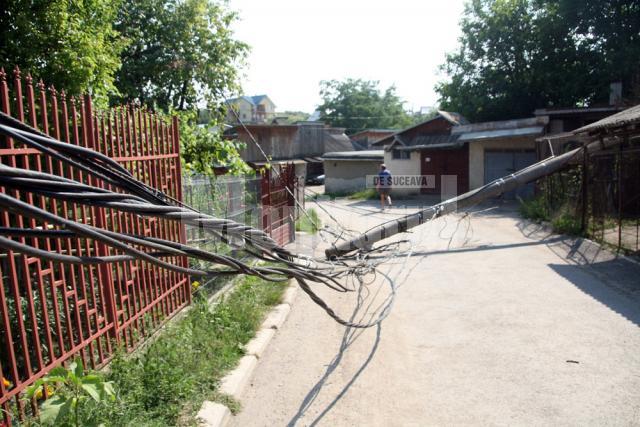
pixel 64 310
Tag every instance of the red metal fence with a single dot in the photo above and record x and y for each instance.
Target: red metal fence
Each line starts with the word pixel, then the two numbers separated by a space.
pixel 278 188
pixel 52 311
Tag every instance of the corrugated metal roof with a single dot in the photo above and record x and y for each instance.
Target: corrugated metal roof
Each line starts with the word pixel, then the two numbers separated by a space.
pixel 624 118
pixel 426 141
pixel 355 155
pixel 280 162
pixel 443 146
pixel 341 142
pixel 433 140
pixel 501 133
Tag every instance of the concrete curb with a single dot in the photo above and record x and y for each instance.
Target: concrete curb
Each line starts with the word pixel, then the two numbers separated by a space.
pixel 547 228
pixel 213 414
pixel 235 381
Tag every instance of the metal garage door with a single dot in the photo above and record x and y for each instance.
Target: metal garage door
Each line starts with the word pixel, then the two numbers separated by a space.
pixel 501 163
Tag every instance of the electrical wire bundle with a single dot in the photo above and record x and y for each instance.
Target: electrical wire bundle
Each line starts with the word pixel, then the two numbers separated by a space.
pixel 133 196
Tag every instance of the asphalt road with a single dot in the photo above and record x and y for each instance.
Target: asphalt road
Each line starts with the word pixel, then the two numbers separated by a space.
pixel 496 322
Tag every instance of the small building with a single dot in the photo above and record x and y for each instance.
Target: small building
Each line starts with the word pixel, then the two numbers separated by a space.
pixel 427 149
pixel 346 171
pixel 302 144
pixel 369 136
pixel 250 109
pixel 461 156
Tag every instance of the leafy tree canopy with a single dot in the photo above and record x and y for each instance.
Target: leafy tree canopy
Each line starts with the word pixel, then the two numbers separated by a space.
pixel 180 52
pixel 519 55
pixel 70 44
pixel 357 104
pixel 171 55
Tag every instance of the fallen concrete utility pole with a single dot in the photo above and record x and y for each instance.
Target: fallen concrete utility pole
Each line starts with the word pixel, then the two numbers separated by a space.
pixel 471 198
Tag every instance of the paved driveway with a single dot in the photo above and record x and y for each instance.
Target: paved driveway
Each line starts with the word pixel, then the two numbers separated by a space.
pixel 495 323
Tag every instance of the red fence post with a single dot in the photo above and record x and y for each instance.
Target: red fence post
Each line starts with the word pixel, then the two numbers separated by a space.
pixel 175 136
pixel 84 306
pixel 104 270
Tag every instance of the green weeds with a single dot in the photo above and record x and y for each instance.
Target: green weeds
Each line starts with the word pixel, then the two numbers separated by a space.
pixel 563 220
pixel 309 223
pixel 166 383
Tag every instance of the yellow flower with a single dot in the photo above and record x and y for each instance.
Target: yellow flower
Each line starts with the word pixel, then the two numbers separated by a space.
pixel 6 382
pixel 40 392
pixel 195 285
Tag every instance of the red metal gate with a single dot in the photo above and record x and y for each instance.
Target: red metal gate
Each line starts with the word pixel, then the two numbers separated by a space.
pixel 51 311
pixel 278 204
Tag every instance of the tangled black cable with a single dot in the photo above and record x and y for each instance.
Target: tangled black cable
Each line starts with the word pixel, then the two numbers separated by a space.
pixel 136 197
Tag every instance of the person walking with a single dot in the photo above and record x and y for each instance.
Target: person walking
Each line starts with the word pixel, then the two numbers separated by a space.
pixel 384 186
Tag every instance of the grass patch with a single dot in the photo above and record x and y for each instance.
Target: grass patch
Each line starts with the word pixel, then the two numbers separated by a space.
pixel 309 223
pixel 562 221
pixel 366 194
pixel 167 383
pixel 534 209
pixel 565 223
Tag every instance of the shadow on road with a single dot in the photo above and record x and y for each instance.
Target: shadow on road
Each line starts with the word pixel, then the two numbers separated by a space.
pixel 619 293
pixel 605 276
pixel 350 336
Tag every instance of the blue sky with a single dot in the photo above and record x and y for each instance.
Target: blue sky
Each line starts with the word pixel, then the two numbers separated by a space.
pixel 297 43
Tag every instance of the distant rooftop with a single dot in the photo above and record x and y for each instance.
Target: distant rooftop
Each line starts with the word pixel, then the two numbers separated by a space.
pixel 574 110
pixel 253 100
pixel 456 119
pixel 355 155
pixel 624 118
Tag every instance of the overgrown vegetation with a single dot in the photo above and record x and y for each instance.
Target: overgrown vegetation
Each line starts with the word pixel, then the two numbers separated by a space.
pixel 166 383
pixel 562 220
pixel 67 391
pixel 309 223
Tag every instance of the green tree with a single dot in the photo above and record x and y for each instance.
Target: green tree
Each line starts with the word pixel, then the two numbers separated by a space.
pixel 611 29
pixel 180 52
pixel 357 104
pixel 519 55
pixel 70 44
pixel 202 147
pixel 293 116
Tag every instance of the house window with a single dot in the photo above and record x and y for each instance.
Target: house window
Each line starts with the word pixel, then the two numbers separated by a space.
pixel 400 155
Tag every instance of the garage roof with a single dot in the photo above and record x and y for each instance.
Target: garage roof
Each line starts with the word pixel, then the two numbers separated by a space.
pixel 364 155
pixel 502 133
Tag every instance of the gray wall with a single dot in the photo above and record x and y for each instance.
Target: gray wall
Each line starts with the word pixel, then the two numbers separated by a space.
pixel 348 176
pixel 284 142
